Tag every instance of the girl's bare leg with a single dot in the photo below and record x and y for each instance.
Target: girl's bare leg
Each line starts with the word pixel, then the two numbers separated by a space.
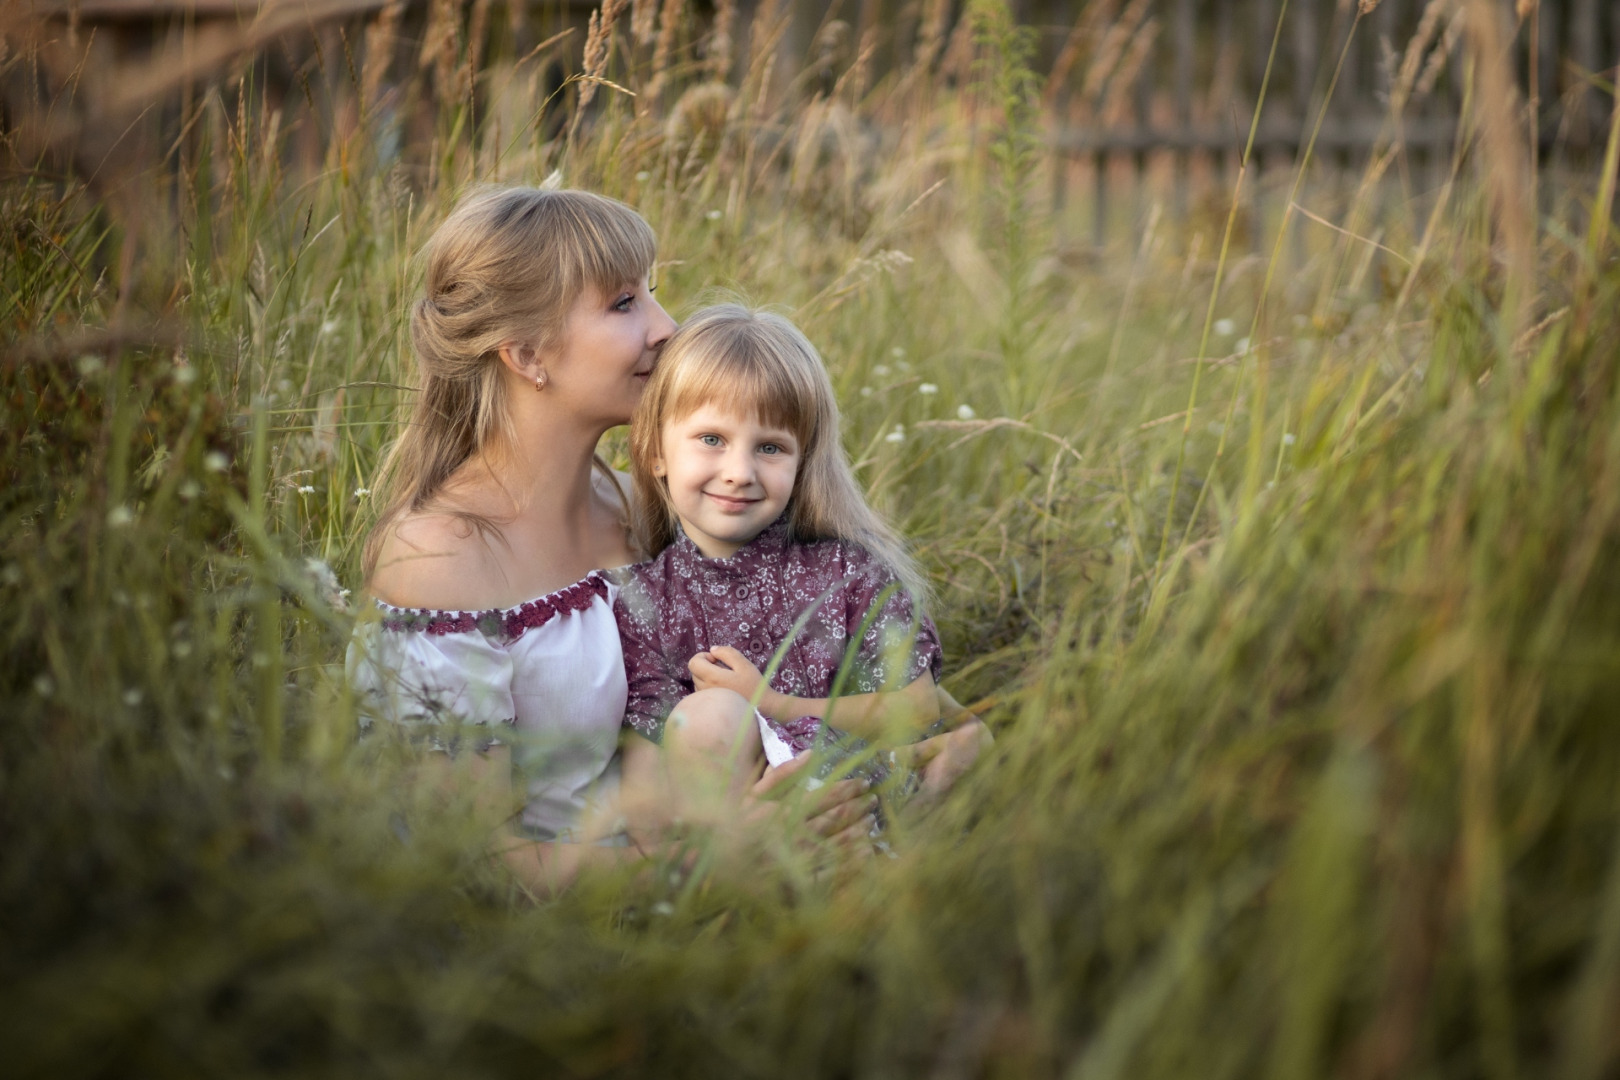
pixel 713 755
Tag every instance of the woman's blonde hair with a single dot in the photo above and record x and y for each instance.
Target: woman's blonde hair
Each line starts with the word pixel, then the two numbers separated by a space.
pixel 506 266
pixel 754 360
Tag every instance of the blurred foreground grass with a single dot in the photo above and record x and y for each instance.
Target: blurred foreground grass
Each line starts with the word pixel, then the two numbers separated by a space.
pixel 1307 759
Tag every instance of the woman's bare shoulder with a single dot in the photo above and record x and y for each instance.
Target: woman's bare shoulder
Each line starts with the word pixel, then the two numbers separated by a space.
pixel 439 560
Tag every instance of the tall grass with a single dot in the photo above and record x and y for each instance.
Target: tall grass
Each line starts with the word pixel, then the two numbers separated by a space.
pixel 1303 685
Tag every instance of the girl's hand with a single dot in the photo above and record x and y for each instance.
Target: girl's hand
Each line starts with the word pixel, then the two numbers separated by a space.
pixel 941 761
pixel 724 668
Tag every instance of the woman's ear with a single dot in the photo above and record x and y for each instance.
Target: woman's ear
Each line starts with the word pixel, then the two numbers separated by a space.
pixel 520 359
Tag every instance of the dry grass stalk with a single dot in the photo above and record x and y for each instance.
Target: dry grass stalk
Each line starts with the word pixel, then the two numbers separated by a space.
pixel 1115 44
pixel 720 44
pixel 643 20
pixel 594 58
pixel 439 42
pixel 1437 59
pixel 1087 30
pixel 381 34
pixel 1119 103
pixel 1406 76
pixel 476 27
pixel 1506 164
pixel 930 35
pixel 860 72
pixel 669 26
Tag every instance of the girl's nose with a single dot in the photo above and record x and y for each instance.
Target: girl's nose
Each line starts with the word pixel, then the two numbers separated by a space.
pixel 737 467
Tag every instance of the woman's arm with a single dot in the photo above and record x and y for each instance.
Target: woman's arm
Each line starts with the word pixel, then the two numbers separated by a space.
pixel 913 708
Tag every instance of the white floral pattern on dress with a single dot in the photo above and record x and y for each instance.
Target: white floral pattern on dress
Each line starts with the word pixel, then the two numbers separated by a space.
pixel 680 603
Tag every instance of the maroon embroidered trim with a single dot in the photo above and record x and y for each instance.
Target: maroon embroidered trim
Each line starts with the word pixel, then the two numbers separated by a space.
pixel 498 622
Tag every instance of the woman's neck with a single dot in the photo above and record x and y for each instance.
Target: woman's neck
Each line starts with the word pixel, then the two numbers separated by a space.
pixel 548 478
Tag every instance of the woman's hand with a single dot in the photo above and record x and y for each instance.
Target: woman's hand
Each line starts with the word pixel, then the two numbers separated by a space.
pixel 724 668
pixel 841 812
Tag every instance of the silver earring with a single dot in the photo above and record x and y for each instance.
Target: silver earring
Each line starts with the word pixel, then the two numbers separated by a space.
pixel 539 381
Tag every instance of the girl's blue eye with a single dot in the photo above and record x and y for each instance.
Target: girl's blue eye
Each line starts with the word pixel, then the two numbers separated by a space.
pixel 624 302
pixel 770 448
pixel 709 440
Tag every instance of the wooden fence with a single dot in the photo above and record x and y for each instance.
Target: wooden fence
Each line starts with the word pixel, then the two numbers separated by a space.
pixel 1174 83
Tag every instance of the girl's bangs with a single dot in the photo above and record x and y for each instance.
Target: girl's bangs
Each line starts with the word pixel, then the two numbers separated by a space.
pixel 738 374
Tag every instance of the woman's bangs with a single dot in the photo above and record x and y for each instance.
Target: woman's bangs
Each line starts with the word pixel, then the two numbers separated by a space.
pixel 614 245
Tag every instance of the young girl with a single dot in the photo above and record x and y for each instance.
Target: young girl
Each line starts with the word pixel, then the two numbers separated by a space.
pixel 754 523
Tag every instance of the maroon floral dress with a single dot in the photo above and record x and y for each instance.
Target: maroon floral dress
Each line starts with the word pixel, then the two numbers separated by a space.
pixel 681 603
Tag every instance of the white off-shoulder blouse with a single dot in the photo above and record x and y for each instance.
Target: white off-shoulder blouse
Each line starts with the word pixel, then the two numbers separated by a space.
pixel 546 676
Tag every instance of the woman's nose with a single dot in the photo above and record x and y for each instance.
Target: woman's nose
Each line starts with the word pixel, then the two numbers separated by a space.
pixel 659 327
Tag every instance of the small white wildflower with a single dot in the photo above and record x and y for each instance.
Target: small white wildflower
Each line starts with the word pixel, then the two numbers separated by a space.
pixel 361 492
pixel 866 391
pixel 663 907
pixel 189 489
pixel 329 326
pixel 897 435
pixel 90 364
pixel 120 515
pixel 897 352
pixel 184 375
pixel 44 685
pixel 132 696
pixel 881 369
pixel 306 489
pixel 965 412
pixel 1288 438
pixel 714 215
pixel 927 389
pixel 1242 346
pixel 643 176
pixel 1225 327
pixel 214 461
pixel 181 650
pixel 260 659
pixel 327 583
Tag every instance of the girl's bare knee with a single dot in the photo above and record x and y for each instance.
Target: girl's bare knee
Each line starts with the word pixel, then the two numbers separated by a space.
pixel 708 721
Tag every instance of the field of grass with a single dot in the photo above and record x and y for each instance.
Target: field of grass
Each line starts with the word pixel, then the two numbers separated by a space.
pixel 1291 590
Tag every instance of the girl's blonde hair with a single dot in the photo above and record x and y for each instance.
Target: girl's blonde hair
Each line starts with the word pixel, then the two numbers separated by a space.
pixel 754 360
pixel 507 266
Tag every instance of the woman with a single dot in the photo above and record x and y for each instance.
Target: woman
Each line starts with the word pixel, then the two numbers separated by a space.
pixel 535 333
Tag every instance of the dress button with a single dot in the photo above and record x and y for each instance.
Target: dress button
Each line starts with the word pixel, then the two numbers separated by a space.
pixel 741 592
pixel 757 646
